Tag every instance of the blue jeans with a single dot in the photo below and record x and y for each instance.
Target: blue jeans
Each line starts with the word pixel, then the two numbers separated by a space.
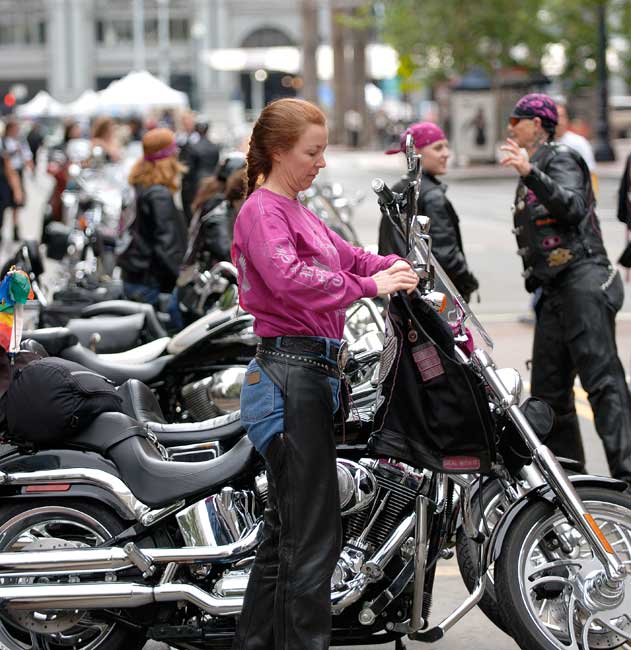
pixel 263 407
pixel 141 293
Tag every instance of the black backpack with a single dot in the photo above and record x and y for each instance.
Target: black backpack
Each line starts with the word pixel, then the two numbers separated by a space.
pixel 432 410
pixel 52 399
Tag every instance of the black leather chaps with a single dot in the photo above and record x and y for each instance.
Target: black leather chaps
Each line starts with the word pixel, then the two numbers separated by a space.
pixel 287 602
pixel 575 334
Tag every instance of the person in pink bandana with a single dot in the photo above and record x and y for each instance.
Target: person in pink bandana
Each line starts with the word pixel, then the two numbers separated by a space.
pixel 151 262
pixel 431 142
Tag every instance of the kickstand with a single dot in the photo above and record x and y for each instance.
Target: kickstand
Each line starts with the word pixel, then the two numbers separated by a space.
pixel 399 645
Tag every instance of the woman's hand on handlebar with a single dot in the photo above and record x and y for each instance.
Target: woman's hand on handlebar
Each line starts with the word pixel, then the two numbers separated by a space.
pixel 399 277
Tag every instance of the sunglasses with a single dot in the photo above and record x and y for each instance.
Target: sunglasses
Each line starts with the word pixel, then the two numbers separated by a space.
pixel 513 121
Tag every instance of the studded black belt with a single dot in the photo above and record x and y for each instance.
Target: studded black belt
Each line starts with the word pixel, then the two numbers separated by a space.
pixel 330 367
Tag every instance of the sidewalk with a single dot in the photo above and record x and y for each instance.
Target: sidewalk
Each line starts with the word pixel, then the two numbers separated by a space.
pixel 370 159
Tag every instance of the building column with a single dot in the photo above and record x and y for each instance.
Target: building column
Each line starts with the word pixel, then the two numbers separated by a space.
pixel 70 48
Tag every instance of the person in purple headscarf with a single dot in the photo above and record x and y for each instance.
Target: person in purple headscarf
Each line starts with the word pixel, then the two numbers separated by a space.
pixel 447 247
pixel 151 262
pixel 560 243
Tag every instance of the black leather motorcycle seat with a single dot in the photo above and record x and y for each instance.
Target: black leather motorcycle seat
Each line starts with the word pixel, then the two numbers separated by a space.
pixel 54 339
pixel 158 483
pixel 117 372
pixel 221 429
pixel 153 480
pixel 117 332
pixel 140 403
pixel 153 327
pixel 106 431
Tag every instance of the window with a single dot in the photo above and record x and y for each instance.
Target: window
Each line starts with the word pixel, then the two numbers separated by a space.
pixel 24 26
pixel 112 32
pixel 178 29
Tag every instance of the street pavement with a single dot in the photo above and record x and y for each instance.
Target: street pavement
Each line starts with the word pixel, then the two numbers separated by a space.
pixel 482 197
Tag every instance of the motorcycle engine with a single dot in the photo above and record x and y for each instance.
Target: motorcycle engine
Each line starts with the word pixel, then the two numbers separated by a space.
pixel 397 485
pixel 215 395
pixel 374 496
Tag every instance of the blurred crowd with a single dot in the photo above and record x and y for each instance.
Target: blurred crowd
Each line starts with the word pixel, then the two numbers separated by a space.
pixel 117 140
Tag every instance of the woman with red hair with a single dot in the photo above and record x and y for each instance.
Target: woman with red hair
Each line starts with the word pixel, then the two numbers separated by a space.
pixel 296 277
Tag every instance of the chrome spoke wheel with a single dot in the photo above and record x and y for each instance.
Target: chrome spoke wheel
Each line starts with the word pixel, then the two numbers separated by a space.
pixel 555 568
pixel 55 527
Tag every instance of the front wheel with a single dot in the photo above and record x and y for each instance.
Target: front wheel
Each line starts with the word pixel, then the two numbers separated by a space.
pixel 49 525
pixel 545 569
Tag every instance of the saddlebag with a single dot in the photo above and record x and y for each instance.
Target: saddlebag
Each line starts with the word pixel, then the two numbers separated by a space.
pixel 432 410
pixel 52 399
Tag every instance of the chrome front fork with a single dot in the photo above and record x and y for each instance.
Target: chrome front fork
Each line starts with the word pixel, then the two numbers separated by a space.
pixel 551 471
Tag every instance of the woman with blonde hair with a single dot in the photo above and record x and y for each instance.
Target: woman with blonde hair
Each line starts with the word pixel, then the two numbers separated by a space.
pixel 296 277
pixel 151 262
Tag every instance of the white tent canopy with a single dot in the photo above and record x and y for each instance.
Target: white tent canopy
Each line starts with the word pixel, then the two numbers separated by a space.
pixel 138 92
pixel 85 105
pixel 42 105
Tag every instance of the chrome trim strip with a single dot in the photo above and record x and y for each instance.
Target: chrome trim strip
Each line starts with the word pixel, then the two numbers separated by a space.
pixel 115 558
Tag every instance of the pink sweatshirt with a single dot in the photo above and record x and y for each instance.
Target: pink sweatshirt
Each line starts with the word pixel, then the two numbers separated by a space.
pixel 296 276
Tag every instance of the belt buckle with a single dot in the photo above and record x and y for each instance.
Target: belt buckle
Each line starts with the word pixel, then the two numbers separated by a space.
pixel 342 355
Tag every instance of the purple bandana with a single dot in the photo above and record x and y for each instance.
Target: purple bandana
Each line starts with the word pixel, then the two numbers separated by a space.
pixel 424 134
pixel 168 151
pixel 537 105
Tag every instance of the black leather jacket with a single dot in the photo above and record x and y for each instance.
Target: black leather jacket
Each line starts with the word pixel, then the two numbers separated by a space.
pixel 445 231
pixel 555 216
pixel 624 194
pixel 210 238
pixel 201 157
pixel 158 242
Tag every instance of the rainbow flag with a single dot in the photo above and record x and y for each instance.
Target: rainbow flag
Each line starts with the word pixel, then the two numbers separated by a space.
pixel 15 288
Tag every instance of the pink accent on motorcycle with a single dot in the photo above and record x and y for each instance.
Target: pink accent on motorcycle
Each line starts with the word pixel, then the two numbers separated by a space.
pixel 428 361
pixel 461 463
pixel 551 242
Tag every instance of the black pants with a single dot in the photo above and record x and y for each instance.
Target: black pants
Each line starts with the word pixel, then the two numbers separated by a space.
pixel 575 334
pixel 287 603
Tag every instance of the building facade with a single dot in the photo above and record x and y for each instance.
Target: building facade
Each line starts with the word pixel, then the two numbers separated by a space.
pixel 67 46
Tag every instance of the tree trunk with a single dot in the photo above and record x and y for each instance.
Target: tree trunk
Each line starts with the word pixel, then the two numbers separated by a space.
pixel 339 74
pixel 309 46
pixel 359 82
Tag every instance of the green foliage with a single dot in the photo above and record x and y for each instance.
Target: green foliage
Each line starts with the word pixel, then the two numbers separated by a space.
pixel 444 37
pixel 440 38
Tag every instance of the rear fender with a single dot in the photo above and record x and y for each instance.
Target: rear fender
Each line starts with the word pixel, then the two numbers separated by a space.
pixel 17 493
pixel 543 493
pixel 59 459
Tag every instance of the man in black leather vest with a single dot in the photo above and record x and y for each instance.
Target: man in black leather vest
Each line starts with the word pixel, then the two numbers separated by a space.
pixel 431 142
pixel 559 240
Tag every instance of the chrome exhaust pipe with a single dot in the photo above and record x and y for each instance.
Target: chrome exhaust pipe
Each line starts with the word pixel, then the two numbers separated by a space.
pixel 113 595
pixel 82 561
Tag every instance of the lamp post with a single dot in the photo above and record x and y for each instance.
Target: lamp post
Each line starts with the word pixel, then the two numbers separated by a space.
pixel 603 151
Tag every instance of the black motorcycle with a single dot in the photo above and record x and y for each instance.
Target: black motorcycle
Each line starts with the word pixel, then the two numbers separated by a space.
pixel 104 542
